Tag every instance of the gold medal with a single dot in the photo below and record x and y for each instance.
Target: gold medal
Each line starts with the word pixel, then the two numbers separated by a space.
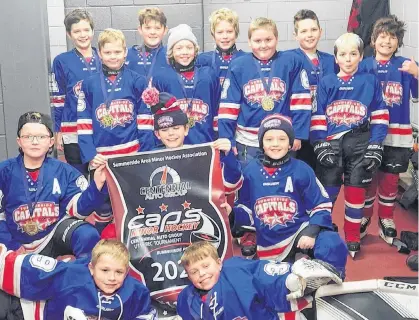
pixel 107 120
pixel 31 227
pixel 267 103
pixel 191 121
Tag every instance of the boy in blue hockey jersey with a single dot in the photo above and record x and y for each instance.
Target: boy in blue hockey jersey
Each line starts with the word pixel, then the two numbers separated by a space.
pixel 245 289
pixel 69 69
pixel 90 288
pixel 399 79
pixel 224 26
pixel 307 32
pixel 151 55
pixel 196 88
pixel 348 127
pixel 282 198
pixel 43 201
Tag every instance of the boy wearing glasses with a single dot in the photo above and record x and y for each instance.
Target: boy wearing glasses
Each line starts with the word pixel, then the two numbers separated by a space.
pixel 43 201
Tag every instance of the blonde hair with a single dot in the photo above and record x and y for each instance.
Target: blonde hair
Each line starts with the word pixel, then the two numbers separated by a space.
pixel 198 251
pixel 349 39
pixel 224 14
pixel 111 35
pixel 169 53
pixel 114 248
pixel 262 23
pixel 147 14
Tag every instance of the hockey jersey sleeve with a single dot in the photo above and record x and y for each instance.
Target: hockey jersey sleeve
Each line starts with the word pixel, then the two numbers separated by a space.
pixel 32 277
pixel 379 116
pixel 80 197
pixel 85 125
pixel 318 124
pixel 300 101
pixel 231 99
pixel 241 215
pixel 145 123
pixel 231 171
pixel 58 92
pixel 141 307
pixel 414 88
pixel 316 200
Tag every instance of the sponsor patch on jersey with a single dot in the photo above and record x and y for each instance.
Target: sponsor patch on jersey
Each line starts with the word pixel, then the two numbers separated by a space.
pixel 119 113
pixel 53 83
pixel 226 85
pixel 393 94
pixel 254 90
pixel 313 92
pixel 77 88
pixel 82 183
pixel 81 104
pixel 304 79
pixel 346 112
pixel 276 210
pixel 198 111
pixel 44 215
pixel 276 269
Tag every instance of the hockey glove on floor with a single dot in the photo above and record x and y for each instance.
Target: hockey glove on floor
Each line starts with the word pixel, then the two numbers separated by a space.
pixel 325 154
pixel 373 156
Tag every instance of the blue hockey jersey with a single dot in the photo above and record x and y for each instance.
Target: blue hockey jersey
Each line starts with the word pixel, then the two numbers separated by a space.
pixel 111 126
pixel 246 289
pixel 69 290
pixel 398 87
pixel 69 69
pixel 326 66
pixel 146 63
pixel 241 109
pixel 280 204
pixel 345 105
pixel 200 102
pixel 64 192
pixel 218 62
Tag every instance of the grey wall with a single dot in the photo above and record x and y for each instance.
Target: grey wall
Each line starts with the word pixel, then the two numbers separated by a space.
pixel 24 60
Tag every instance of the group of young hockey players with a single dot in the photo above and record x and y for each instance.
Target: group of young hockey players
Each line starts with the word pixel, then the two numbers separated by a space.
pixel 291 127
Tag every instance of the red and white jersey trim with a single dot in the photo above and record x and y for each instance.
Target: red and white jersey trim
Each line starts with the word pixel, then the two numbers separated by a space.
pixel 33 310
pixel 399 135
pixel 84 126
pixel 72 207
pixel 120 149
pixel 10 271
pixel 232 187
pixel 57 101
pixel 247 136
pixel 323 206
pixel 145 122
pixel 229 111
pixel 380 117
pixel 300 101
pixel 318 123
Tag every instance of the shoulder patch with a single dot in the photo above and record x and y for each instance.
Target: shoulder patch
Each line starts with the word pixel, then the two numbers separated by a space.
pixel 226 85
pixel 304 79
pixel 44 263
pixel 81 104
pixel 276 269
pixel 1 197
pixel 82 183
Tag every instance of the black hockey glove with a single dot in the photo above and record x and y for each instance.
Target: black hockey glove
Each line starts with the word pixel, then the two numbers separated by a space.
pixel 325 154
pixel 373 156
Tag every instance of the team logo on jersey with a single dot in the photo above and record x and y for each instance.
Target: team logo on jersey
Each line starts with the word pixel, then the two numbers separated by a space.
pixel 393 93
pixel 53 83
pixel 82 183
pixel 81 104
pixel 276 210
pixel 276 269
pixel 226 85
pixel 304 79
pixel 346 112
pixel 198 111
pixel 254 90
pixel 119 113
pixel 165 182
pixel 44 214
pixel 77 88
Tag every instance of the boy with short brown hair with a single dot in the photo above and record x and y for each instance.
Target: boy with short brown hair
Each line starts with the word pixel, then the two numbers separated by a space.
pixel 147 58
pixel 244 289
pixel 102 280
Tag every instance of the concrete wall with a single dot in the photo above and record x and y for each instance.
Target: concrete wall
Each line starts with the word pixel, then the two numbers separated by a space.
pixel 23 66
pixel 56 27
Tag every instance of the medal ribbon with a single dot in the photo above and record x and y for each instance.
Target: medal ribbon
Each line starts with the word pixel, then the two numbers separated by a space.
pixel 318 69
pixel 108 98
pixel 153 61
pixel 214 65
pixel 31 205
pixel 266 85
pixel 182 85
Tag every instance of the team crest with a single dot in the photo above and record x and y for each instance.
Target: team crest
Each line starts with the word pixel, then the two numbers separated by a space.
pixel 254 90
pixel 346 112
pixel 77 88
pixel 393 93
pixel 198 111
pixel 44 214
pixel 119 113
pixel 276 210
pixel 304 79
